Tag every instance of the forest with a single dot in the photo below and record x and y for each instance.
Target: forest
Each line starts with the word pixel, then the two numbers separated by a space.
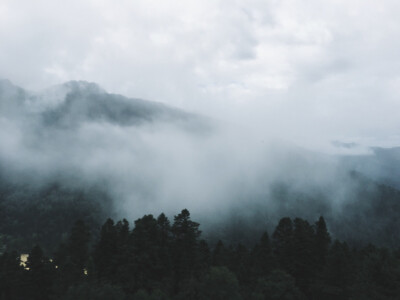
pixel 160 259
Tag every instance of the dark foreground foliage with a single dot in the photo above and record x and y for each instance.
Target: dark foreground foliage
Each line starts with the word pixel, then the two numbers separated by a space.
pixel 30 215
pixel 157 259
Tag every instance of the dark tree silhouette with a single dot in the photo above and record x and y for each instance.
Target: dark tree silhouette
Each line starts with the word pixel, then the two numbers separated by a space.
pixel 185 234
pixel 155 260
pixel 283 244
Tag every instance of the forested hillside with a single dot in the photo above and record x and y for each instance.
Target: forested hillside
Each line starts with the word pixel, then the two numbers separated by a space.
pixel 159 259
pixel 31 214
pixel 367 214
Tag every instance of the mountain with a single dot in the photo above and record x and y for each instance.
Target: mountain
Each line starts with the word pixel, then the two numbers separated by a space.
pixel 76 151
pixel 87 102
pixel 74 102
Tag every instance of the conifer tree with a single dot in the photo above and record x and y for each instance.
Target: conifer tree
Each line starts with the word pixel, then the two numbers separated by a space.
pixel 71 257
pixel 262 259
pixel 220 255
pixel 283 244
pixel 304 262
pixel 322 242
pixel 164 247
pixel 146 261
pixel 78 246
pixel 185 234
pixel 203 257
pixel 123 257
pixel 105 252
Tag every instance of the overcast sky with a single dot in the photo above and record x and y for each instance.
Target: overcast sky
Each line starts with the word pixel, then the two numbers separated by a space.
pixel 297 69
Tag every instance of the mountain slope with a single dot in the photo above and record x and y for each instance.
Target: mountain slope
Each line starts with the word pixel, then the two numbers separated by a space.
pixel 74 102
pixel 109 155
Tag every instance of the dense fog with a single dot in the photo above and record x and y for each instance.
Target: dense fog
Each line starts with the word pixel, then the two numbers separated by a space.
pixel 148 157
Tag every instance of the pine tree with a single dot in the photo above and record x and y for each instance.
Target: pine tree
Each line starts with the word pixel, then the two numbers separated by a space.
pixel 71 257
pixel 146 261
pixel 164 239
pixel 322 242
pixel 239 264
pixel 123 257
pixel 262 257
pixel 283 244
pixel 220 255
pixel 78 246
pixel 122 228
pixel 185 234
pixel 105 252
pixel 203 257
pixel 304 262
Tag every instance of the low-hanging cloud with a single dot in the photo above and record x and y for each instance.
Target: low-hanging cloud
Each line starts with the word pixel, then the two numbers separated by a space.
pixel 146 152
pixel 148 157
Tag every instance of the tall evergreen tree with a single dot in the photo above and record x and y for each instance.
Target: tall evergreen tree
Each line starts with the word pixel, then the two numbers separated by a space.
pixel 322 242
pixel 122 228
pixel 72 257
pixel 78 246
pixel 146 261
pixel 304 262
pixel 283 244
pixel 203 257
pixel 220 255
pixel 164 240
pixel 123 257
pixel 239 264
pixel 262 260
pixel 105 252
pixel 184 248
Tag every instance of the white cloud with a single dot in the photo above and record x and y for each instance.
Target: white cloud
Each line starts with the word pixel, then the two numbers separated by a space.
pixel 309 68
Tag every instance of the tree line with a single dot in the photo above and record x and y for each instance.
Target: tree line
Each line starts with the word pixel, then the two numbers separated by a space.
pixel 157 259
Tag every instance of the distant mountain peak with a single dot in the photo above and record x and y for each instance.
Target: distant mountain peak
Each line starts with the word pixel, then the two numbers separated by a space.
pixel 72 103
